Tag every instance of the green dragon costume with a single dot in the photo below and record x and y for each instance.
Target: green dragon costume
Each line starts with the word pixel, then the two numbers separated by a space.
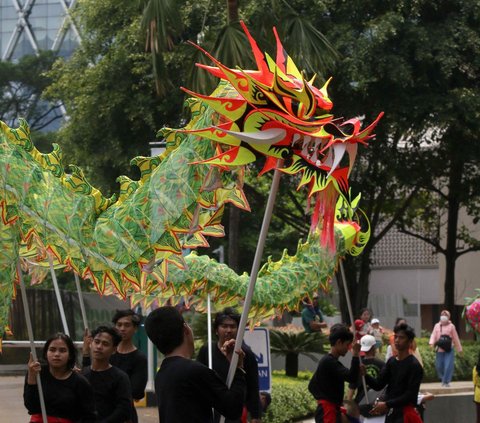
pixel 132 246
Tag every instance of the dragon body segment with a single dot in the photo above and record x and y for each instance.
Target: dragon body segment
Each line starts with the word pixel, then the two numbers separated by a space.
pixel 132 246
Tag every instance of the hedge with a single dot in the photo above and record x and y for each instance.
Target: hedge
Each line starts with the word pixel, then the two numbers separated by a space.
pixel 291 400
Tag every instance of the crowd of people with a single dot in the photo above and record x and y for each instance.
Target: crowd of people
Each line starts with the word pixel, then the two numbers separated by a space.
pixel 114 372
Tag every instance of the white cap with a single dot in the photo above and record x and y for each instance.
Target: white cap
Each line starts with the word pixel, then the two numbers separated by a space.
pixel 367 342
pixel 375 321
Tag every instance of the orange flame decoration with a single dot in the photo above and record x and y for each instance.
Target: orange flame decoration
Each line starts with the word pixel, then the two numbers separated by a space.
pixel 275 112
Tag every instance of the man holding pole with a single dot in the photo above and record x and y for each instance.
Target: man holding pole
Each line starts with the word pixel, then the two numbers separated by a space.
pixel 226 328
pixel 327 383
pixel 187 390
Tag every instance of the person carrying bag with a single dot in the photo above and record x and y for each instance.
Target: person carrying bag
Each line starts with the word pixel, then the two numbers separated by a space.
pixel 444 337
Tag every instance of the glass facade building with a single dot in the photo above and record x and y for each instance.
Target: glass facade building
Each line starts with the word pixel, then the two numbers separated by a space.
pixel 28 26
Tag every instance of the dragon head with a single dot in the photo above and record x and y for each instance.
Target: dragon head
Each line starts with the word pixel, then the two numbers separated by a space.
pixel 275 112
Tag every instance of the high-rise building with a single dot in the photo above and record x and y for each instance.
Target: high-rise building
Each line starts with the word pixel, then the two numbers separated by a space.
pixel 28 26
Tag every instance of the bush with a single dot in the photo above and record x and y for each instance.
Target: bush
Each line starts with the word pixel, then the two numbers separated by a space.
pixel 463 365
pixel 291 400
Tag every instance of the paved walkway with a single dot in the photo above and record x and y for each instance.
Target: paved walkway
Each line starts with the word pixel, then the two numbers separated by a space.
pixel 12 409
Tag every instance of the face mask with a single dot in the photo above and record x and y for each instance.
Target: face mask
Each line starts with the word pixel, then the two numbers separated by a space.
pixel 444 319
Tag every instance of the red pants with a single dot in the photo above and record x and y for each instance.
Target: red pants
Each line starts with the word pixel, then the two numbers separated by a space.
pixel 327 412
pixel 407 414
pixel 37 418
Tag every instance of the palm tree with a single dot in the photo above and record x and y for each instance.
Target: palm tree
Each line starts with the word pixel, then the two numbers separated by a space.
pixel 291 341
pixel 163 27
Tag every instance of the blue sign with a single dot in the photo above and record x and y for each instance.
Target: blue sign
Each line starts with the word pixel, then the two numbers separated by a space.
pixel 259 341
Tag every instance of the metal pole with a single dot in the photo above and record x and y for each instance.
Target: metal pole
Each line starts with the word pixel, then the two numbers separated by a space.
pixel 80 299
pixel 255 268
pixel 151 365
pixel 221 259
pixel 350 312
pixel 59 298
pixel 209 330
pixel 28 320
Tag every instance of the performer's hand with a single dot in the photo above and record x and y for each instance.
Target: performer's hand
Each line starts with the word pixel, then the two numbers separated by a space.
pixel 356 348
pixel 362 370
pixel 227 348
pixel 241 357
pixel 87 341
pixel 34 369
pixel 379 408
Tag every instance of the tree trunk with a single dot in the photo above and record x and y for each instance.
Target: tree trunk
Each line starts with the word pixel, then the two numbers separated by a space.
pixel 291 364
pixel 357 283
pixel 454 186
pixel 233 238
pixel 232 11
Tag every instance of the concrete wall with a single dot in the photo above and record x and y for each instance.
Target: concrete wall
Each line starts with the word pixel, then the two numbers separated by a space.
pixel 412 283
pixel 451 409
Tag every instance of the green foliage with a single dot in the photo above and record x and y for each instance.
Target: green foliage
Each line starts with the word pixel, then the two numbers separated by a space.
pixel 21 85
pixel 292 341
pixel 108 90
pixel 291 400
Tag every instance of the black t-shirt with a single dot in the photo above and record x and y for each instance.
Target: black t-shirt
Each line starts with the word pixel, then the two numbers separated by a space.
pixel 70 398
pixel 135 365
pixel 187 391
pixel 221 365
pixel 112 393
pixel 402 378
pixel 327 382
pixel 373 367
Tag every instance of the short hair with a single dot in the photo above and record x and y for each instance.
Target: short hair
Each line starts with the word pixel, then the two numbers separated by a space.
pixel 398 319
pixel 339 331
pixel 164 327
pixel 72 351
pixel 119 314
pixel 116 337
pixel 226 313
pixel 407 330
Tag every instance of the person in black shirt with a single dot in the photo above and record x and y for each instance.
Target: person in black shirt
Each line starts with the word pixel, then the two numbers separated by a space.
pixel 111 386
pixel 373 367
pixel 327 383
pixel 226 328
pixel 67 394
pixel 187 390
pixel 402 376
pixel 127 357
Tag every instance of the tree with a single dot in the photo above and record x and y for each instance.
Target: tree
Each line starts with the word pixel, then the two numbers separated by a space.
pixel 21 86
pixel 291 341
pixel 108 90
pixel 418 62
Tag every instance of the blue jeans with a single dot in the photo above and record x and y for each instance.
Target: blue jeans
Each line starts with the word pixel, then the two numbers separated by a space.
pixel 444 365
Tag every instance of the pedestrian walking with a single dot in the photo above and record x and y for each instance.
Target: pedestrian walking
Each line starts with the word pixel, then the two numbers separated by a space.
pixel 444 340
pixel 68 395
